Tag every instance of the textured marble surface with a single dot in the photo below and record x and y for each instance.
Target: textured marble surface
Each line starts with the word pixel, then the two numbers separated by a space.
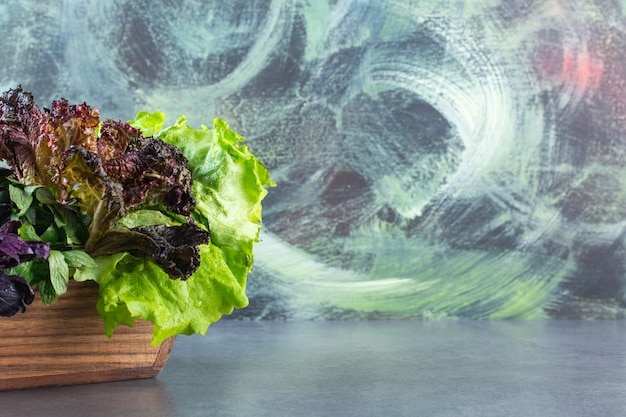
pixel 434 158
pixel 366 368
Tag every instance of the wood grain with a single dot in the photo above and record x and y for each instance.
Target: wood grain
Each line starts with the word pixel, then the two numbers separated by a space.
pixel 65 344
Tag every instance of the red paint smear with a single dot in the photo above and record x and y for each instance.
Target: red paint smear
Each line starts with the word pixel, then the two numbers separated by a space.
pixel 578 70
pixel 586 73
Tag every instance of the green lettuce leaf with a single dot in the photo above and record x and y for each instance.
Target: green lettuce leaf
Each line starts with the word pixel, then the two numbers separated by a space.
pixel 148 123
pixel 132 288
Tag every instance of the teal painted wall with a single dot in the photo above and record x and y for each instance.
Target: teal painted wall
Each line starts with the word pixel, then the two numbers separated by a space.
pixel 434 159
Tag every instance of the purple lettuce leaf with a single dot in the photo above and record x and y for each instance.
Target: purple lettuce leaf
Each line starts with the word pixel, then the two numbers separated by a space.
pixel 173 248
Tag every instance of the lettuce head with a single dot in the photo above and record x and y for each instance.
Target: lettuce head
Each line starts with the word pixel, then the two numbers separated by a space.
pixel 164 219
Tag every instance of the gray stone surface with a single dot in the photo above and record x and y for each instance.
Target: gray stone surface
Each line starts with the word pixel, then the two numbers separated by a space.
pixel 366 368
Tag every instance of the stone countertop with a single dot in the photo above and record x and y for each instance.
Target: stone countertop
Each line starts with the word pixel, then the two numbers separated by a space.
pixel 366 368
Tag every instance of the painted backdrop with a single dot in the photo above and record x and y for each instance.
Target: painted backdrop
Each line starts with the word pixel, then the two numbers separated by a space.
pixel 433 158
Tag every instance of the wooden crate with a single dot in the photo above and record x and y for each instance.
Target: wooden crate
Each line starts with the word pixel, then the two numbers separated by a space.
pixel 65 344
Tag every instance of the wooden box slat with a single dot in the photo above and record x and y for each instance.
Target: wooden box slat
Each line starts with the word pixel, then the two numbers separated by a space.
pixel 65 344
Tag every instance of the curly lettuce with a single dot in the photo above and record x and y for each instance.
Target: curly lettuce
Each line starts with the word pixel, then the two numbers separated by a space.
pixel 229 183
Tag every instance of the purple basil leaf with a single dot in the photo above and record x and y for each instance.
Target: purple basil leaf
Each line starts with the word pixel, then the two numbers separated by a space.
pixel 14 250
pixel 14 293
pixel 11 227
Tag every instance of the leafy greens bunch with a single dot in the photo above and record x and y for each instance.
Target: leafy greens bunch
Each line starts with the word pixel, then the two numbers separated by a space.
pixel 163 219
